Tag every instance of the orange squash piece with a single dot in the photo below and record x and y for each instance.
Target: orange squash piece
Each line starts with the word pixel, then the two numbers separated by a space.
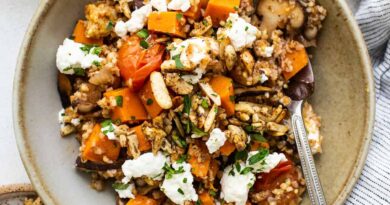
pixel 149 101
pixel 206 199
pixel 143 142
pixel 203 3
pixel 142 200
pixel 227 149
pixel 194 12
pixel 79 35
pixel 223 86
pixel 98 141
pixel 214 167
pixel 219 9
pixel 299 60
pixel 166 22
pixel 131 110
pixel 199 168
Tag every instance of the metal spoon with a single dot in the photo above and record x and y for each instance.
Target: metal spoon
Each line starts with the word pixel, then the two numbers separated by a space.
pixel 300 88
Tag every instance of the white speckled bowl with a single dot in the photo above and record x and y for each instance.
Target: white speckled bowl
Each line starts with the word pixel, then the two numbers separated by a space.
pixel 344 98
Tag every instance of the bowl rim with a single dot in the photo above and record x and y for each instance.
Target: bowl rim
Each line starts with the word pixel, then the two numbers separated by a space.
pixel 18 107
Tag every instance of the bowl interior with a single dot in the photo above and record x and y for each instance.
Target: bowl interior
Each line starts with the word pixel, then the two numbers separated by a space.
pixel 343 97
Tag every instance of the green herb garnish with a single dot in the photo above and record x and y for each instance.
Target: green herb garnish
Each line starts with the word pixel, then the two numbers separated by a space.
pixel 212 193
pixel 119 101
pixel 120 186
pixel 197 131
pixel 241 155
pixel 79 71
pixel 258 137
pixel 143 33
pixel 187 104
pixel 246 170
pixel 149 101
pixel 178 62
pixel 258 156
pixel 204 104
pixel 179 16
pixel 232 98
pixel 185 180
pixel 144 44
pixel 110 25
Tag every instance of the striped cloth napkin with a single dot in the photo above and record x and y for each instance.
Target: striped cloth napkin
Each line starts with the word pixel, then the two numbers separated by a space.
pixel 373 187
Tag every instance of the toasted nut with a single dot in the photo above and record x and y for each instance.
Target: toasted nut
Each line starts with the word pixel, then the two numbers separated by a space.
pixel 160 90
pixel 208 90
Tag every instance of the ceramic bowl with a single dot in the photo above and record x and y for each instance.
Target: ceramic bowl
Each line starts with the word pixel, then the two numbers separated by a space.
pixel 344 97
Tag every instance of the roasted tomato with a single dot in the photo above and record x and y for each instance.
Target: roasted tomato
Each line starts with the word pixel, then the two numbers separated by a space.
pixel 136 63
pixel 273 179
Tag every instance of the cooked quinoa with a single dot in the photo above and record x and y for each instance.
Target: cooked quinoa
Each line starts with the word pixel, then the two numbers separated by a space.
pixel 183 101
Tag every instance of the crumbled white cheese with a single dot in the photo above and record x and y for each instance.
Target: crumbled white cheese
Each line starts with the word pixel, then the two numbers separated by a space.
pixel 263 78
pixel 235 184
pixel 120 29
pixel 194 79
pixel 182 5
pixel 138 18
pixel 160 5
pixel 126 193
pixel 178 187
pixel 267 164
pixel 216 140
pixel 109 131
pixel 147 164
pixel 70 56
pixel 241 33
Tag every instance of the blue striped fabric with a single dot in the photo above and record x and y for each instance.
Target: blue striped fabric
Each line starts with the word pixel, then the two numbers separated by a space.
pixel 373 186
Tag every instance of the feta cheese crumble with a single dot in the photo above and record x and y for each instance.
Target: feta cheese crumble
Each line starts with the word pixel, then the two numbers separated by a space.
pixel 267 163
pixel 195 51
pixel 182 5
pixel 61 115
pixel 241 33
pixel 126 193
pixel 235 184
pixel 160 5
pixel 147 164
pixel 263 78
pixel 312 124
pixel 135 23
pixel 178 186
pixel 72 56
pixel 216 140
pixel 194 79
pixel 120 29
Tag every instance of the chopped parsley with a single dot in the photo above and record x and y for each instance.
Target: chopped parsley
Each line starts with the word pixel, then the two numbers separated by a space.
pixel 170 171
pixel 246 28
pixel 258 156
pixel 205 23
pixel 120 186
pixel 241 155
pixel 149 101
pixel 144 44
pixel 143 33
pixel 235 8
pixel 179 141
pixel 179 16
pixel 198 202
pixel 87 48
pixel 180 191
pixel 197 131
pixel 204 104
pixel 79 71
pixel 110 25
pixel 212 193
pixel 96 50
pixel 178 63
pixel 248 128
pixel 246 170
pixel 258 137
pixel 185 180
pixel 182 158
pixel 238 167
pixel 187 104
pixel 133 118
pixel 96 63
pixel 119 101
pixel 107 126
pixel 232 98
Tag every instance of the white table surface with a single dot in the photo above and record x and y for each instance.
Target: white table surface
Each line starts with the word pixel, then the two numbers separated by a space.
pixel 15 16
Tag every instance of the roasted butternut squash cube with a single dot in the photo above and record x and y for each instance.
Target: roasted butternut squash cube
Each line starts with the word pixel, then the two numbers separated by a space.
pixel 97 145
pixel 166 22
pixel 219 10
pixel 129 106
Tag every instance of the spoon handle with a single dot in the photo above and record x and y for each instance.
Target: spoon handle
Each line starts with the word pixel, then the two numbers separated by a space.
pixel 313 183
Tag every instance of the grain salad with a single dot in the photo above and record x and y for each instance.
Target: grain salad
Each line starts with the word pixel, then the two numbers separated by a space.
pixel 183 101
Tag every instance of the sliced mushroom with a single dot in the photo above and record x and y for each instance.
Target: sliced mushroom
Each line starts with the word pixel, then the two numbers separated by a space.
pixel 64 88
pixel 208 90
pixel 92 166
pixel 160 91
